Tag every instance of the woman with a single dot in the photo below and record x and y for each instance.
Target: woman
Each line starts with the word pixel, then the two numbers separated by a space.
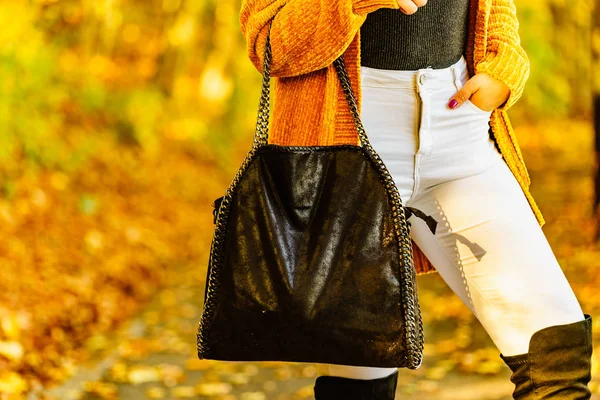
pixel 436 78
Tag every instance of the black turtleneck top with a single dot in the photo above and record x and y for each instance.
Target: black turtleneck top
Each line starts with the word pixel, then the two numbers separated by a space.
pixel 435 36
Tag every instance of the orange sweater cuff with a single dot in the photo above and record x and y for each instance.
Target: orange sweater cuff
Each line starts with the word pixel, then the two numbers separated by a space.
pixel 369 6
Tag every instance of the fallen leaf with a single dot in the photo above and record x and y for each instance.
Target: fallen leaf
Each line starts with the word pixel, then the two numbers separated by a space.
pixel 143 374
pixel 212 389
pixel 11 350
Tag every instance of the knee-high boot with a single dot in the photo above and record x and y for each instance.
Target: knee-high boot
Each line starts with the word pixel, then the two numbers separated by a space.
pixel 341 388
pixel 557 365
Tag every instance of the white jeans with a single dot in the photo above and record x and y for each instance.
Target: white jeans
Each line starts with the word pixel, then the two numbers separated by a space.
pixel 488 246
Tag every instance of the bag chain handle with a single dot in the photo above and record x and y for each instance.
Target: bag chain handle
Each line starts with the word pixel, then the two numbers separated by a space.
pixel 262 126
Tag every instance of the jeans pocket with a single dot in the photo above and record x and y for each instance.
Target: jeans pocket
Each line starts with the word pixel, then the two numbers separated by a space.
pixel 476 109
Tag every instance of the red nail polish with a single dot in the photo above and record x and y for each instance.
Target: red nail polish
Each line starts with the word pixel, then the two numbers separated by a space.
pixel 453 103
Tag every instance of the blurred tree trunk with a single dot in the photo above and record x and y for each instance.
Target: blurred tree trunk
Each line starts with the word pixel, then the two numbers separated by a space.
pixel 596 96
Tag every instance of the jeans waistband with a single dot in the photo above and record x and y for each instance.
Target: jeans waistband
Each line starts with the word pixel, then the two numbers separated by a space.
pixel 419 79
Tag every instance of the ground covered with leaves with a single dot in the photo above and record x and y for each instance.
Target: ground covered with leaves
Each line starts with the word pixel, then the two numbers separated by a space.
pixel 80 253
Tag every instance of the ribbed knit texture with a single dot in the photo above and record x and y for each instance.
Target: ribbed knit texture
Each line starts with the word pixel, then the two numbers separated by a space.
pixel 309 107
pixel 435 36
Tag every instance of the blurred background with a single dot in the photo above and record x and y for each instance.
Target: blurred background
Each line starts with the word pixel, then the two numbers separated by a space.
pixel 121 122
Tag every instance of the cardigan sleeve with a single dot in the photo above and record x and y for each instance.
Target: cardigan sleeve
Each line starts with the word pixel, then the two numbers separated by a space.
pixel 505 59
pixel 306 35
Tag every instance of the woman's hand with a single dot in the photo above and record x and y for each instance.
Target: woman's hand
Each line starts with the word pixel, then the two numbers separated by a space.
pixel 484 91
pixel 411 6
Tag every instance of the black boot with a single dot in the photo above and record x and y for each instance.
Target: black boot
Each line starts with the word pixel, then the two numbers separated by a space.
pixel 558 364
pixel 340 388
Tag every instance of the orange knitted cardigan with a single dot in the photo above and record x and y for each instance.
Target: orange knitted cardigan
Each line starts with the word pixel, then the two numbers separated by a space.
pixel 310 108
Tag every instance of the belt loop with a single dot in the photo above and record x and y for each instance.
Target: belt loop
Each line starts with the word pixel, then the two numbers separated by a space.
pixel 456 78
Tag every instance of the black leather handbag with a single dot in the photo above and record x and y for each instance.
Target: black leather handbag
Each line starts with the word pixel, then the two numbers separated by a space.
pixel 311 259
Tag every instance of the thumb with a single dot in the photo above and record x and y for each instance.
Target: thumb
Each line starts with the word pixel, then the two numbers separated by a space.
pixel 464 93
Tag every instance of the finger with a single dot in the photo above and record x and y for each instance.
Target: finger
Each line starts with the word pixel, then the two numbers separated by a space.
pixel 420 3
pixel 407 6
pixel 465 92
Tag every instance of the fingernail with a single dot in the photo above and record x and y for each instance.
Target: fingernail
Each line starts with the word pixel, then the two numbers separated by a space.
pixel 453 103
